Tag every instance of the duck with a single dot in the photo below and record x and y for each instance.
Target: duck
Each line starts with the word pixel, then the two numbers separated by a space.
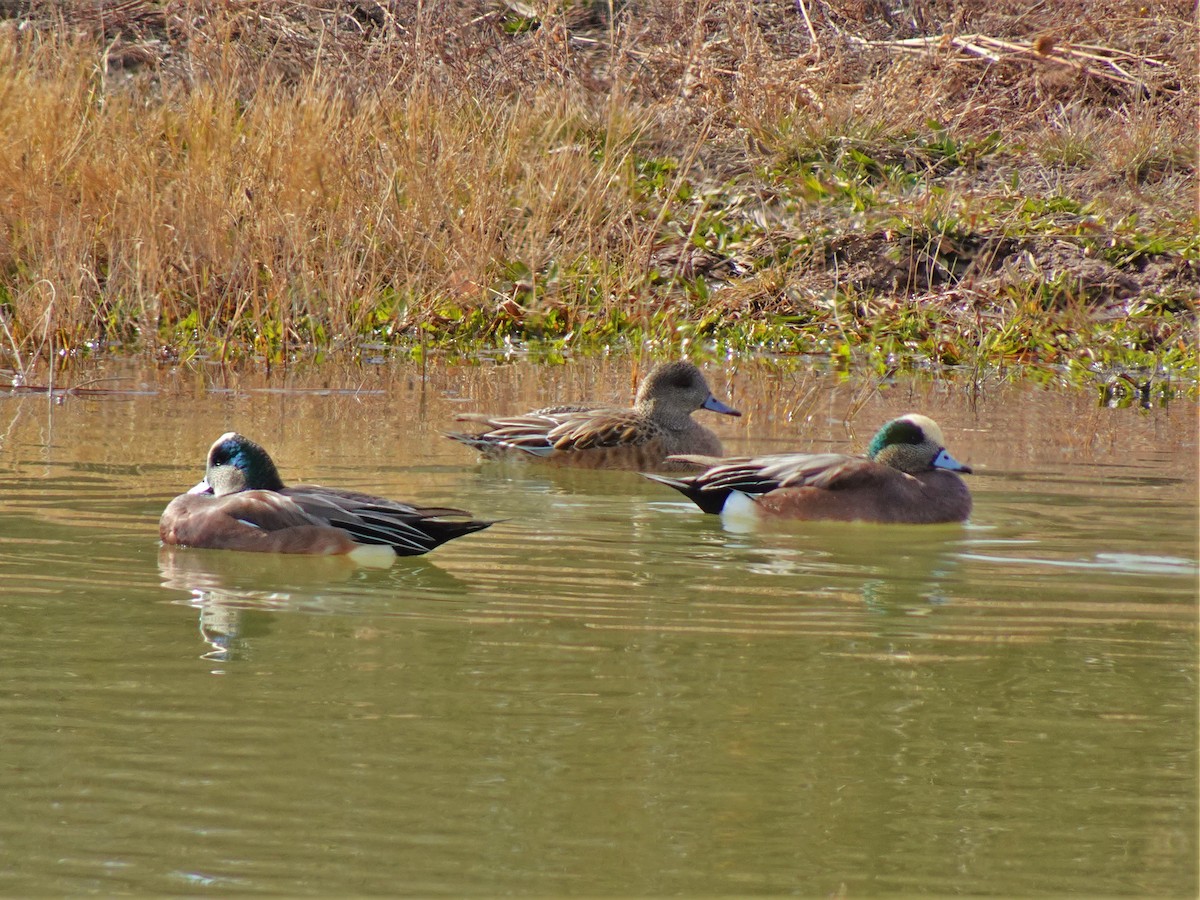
pixel 658 426
pixel 243 504
pixel 907 476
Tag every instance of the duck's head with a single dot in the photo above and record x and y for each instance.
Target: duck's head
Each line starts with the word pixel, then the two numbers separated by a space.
pixel 236 463
pixel 913 444
pixel 679 389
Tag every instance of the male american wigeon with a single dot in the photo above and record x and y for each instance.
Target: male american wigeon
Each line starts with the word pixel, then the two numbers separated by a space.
pixel 594 437
pixel 906 477
pixel 242 504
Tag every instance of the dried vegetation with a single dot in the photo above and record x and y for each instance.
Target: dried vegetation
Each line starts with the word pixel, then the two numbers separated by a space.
pixel 925 181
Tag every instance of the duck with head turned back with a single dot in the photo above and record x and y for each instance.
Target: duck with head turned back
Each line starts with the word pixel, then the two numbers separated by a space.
pixel 242 504
pixel 659 425
pixel 907 477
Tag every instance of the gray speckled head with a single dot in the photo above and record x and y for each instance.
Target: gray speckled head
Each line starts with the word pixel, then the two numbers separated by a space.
pixel 675 390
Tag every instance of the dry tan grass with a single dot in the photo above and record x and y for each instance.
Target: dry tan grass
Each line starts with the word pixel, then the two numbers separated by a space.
pixel 301 204
pixel 269 174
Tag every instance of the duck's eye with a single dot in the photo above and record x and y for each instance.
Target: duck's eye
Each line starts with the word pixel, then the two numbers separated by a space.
pixel 226 455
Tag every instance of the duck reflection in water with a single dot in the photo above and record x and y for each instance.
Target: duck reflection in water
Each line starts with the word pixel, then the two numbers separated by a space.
pixel 237 593
pixel 234 592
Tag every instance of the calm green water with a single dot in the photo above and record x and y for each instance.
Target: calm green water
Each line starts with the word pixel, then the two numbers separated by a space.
pixel 608 693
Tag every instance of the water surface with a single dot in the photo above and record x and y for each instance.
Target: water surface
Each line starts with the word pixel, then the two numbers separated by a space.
pixel 608 692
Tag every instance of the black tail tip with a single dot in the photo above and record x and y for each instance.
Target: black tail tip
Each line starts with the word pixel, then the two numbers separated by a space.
pixel 709 500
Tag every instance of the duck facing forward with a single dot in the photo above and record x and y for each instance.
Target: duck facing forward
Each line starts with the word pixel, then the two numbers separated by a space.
pixel 906 477
pixel 658 425
pixel 242 504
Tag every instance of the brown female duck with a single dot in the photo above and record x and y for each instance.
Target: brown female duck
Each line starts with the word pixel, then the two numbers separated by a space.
pixel 658 425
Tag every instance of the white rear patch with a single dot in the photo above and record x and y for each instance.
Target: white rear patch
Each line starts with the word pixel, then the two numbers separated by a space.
pixel 740 513
pixel 375 556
